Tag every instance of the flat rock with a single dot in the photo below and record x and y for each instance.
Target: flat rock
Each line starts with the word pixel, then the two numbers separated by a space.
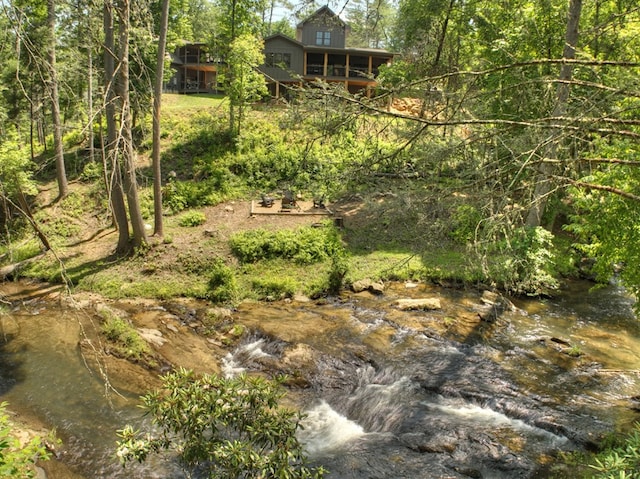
pixel 152 336
pixel 417 304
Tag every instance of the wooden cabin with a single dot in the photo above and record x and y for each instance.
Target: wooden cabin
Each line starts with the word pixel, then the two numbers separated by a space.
pixel 196 70
pixel 319 52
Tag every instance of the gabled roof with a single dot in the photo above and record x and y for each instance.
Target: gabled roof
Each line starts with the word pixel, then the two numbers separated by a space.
pixel 322 11
pixel 283 37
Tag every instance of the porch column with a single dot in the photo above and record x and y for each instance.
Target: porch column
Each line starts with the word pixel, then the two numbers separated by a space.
pixel 304 63
pixel 324 67
pixel 346 67
pixel 277 89
pixel 370 64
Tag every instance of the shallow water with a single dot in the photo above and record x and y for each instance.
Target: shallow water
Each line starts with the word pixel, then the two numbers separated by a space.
pixel 390 394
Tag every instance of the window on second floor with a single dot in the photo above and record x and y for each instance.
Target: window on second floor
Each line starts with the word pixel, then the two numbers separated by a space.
pixel 323 38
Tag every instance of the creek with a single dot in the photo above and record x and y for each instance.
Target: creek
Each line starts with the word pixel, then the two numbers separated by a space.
pixel 388 393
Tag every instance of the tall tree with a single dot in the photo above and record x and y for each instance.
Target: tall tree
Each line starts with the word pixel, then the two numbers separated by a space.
pixel 61 174
pixel 112 156
pixel 123 7
pixel 544 183
pixel 247 83
pixel 157 107
pixel 370 22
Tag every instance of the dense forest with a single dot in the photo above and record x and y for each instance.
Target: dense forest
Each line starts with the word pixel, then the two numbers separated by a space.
pixel 526 122
pixel 500 148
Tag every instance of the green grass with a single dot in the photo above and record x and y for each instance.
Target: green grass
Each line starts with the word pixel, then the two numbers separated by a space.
pixel 174 103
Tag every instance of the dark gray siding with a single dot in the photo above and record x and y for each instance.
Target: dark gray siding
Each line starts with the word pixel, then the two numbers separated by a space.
pixel 279 45
pixel 324 23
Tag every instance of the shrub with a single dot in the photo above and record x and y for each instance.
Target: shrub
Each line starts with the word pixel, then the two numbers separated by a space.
pixel 524 264
pixel 91 171
pixel 192 219
pixel 221 427
pixel 223 286
pixel 620 461
pixel 304 246
pixel 125 339
pixel 274 288
pixel 465 221
pixel 17 460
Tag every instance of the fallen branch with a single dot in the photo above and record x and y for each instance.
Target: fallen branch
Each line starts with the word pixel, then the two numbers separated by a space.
pixel 8 271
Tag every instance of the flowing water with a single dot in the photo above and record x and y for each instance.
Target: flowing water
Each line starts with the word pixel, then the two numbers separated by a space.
pixel 387 393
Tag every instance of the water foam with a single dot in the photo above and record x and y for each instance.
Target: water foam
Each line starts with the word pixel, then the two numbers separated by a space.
pixel 325 430
pixel 485 416
pixel 235 363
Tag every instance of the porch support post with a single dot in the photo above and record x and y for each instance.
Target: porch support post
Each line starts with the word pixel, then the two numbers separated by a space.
pixel 324 67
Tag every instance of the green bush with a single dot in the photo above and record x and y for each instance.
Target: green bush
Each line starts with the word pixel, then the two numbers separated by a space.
pixel 125 339
pixel 524 264
pixel 304 246
pixel 221 427
pixel 223 286
pixel 274 288
pixel 92 171
pixel 465 221
pixel 192 219
pixel 17 460
pixel 620 461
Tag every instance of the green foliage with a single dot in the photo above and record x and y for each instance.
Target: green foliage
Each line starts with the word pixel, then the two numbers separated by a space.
pixel 274 287
pixel 124 337
pixel 338 271
pixel 620 461
pixel 221 427
pixel 223 286
pixel 17 460
pixel 304 246
pixel 92 171
pixel 465 222
pixel 211 188
pixel 605 224
pixel 523 263
pixel 15 166
pixel 192 219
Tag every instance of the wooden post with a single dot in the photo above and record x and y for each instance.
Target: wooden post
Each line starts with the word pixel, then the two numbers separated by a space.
pixel 324 67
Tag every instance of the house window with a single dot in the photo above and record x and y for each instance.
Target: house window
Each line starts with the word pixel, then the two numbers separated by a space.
pixel 280 60
pixel 323 38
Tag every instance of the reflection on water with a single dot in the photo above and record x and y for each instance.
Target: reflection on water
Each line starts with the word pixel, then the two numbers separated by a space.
pixel 390 394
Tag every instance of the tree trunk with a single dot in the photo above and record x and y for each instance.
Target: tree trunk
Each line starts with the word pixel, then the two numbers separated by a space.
pixel 129 179
pixel 116 194
pixel 61 174
pixel 443 36
pixel 543 183
pixel 157 106
pixel 92 154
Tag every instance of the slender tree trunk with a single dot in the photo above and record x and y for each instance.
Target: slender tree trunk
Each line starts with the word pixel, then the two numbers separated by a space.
pixel 61 174
pixel 130 183
pixel 115 175
pixel 543 183
pixel 92 154
pixel 443 36
pixel 157 106
pixel 26 211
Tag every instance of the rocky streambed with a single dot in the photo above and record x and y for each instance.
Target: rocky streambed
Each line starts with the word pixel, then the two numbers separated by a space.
pixel 408 381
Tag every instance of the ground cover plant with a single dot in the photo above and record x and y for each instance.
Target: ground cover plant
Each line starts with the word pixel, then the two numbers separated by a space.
pixel 221 427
